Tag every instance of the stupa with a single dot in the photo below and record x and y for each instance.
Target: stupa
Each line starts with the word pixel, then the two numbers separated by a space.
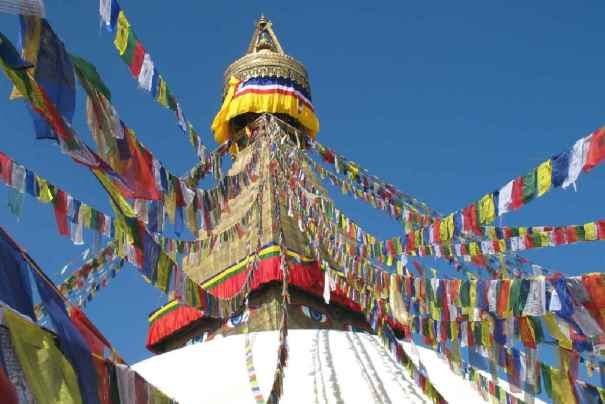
pixel 278 269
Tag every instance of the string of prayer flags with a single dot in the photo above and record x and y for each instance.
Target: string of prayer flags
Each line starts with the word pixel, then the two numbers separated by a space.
pixel 382 192
pixel 119 145
pixel 143 69
pixel 561 170
pixel 70 143
pixel 70 212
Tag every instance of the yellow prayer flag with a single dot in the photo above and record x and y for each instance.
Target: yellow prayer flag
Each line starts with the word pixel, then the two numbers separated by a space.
pixel 590 231
pixel 49 374
pixel 473 293
pixel 85 214
pixel 485 333
pixel 170 205
pixel 162 96
pixel 487 209
pixel 446 229
pixel 191 218
pixel 473 248
pixel 555 331
pixel 122 28
pixel 561 387
pixel 114 194
pixel 544 177
pixel 30 46
pixel 45 195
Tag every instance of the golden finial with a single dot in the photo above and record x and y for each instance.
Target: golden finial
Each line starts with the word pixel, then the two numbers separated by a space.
pixel 265 57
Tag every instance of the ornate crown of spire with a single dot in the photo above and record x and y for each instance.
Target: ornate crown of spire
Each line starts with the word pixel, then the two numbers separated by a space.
pixel 266 58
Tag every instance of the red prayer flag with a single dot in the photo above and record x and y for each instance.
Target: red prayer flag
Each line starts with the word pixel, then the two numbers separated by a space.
pixel 102 380
pixel 437 230
pixel 559 236
pixel 502 303
pixel 470 219
pixel 137 170
pixel 517 194
pixel 601 229
pixel 572 237
pixel 96 341
pixel 6 168
pixel 596 150
pixel 60 205
pixel 140 388
pixel 137 59
pixel 529 241
pixel 527 333
pixel 7 389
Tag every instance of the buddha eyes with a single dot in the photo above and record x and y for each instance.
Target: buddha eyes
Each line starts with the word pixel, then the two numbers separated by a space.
pixel 314 314
pixel 237 319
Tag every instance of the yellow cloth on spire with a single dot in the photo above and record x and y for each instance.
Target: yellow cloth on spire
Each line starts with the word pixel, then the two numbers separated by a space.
pixel 251 102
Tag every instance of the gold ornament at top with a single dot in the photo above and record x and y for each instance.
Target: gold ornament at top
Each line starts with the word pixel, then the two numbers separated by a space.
pixel 266 58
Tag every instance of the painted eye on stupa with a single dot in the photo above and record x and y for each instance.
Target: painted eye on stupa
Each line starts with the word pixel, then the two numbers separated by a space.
pixel 237 320
pixel 314 314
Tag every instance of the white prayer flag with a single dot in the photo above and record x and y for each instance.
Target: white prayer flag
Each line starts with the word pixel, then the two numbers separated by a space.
pixel 576 161
pixel 105 12
pixel 146 74
pixel 505 197
pixel 535 305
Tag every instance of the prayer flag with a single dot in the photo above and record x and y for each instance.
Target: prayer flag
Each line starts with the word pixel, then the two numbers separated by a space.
pixel 88 75
pixel 487 209
pixel 529 187
pixel 146 73
pixel 505 196
pixel 15 286
pixel 137 59
pixel 576 161
pixel 109 11
pixel 544 177
pixel 60 205
pixel 596 150
pixel 162 96
pixel 122 33
pixel 517 193
pixel 72 342
pixel 560 167
pixel 53 72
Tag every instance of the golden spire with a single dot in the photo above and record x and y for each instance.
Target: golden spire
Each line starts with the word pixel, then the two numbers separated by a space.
pixel 265 57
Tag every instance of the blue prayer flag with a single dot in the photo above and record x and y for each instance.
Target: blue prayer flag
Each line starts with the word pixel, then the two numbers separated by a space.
pixel 15 285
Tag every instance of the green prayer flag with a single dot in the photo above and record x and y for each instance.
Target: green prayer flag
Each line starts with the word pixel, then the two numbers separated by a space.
pixel 130 45
pixel 546 377
pixel 529 187
pixel 580 233
pixel 515 289
pixel 89 77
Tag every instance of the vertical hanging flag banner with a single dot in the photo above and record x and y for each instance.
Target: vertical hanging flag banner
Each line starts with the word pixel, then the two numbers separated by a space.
pixel 52 70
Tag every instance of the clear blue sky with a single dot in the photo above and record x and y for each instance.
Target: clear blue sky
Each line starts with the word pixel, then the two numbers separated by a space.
pixel 448 101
